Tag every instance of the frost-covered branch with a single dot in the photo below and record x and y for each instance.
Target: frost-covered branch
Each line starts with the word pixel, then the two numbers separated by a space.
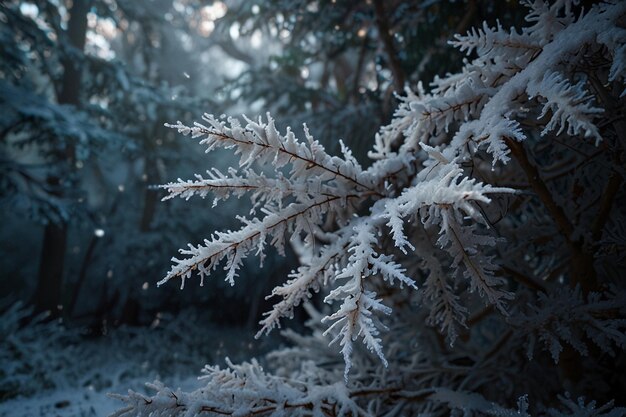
pixel 430 214
pixel 248 391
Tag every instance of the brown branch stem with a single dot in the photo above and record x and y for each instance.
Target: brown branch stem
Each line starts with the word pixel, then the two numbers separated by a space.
pixel 608 197
pixel 540 188
pixel 581 261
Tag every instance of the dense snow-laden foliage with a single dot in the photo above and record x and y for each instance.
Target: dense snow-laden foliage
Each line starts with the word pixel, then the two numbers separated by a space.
pixel 318 187
pixel 319 401
pixel 452 214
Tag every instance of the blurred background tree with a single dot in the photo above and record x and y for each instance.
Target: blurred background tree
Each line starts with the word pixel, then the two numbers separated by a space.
pixel 341 62
pixel 85 91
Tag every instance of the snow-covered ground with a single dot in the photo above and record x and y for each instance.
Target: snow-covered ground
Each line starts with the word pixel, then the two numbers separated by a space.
pixel 76 401
pixel 65 402
pixel 47 369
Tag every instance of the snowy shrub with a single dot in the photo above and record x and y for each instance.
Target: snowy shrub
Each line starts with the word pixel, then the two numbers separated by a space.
pixel 27 368
pixel 42 356
pixel 483 216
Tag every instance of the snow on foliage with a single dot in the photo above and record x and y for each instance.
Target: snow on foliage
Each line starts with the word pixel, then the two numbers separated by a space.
pixel 415 230
pixel 567 317
pixel 243 390
pixel 568 407
pixel 318 189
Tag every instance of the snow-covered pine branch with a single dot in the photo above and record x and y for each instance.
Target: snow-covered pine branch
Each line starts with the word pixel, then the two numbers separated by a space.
pixel 498 86
pixel 259 143
pixel 445 309
pixel 316 271
pixel 418 215
pixel 442 192
pixel 315 185
pixel 234 246
pixel 242 390
pixel 354 317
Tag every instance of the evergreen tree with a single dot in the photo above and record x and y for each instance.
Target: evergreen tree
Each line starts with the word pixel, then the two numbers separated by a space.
pixel 474 264
pixel 74 80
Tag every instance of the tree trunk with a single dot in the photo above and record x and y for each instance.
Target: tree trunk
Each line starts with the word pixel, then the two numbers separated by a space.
pixel 150 197
pixel 48 294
